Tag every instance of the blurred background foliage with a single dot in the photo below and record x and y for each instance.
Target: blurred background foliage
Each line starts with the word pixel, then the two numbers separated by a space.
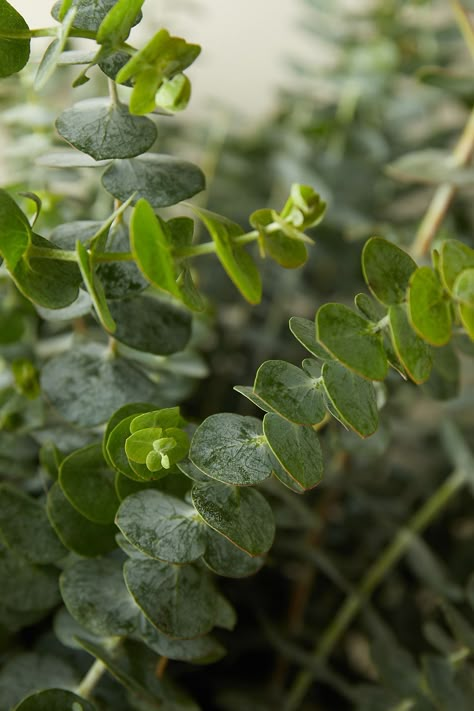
pixel 396 78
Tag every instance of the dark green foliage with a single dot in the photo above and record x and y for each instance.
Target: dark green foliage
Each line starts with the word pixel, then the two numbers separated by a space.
pixel 116 505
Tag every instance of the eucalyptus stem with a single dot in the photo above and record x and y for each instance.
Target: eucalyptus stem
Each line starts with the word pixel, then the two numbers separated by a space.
pixel 388 558
pixel 46 32
pixel 91 679
pixel 444 194
pixel 465 25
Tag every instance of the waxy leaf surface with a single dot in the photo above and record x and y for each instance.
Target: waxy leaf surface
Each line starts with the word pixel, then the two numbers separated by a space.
pixel 105 130
pixel 231 449
pixel 179 600
pixel 224 558
pixel 349 338
pixel 54 700
pixel 289 391
pixel 297 449
pixel 14 53
pixel 428 310
pixel 387 270
pixel 304 331
pixel 161 179
pixel 162 527
pixel 242 515
pixel 353 399
pixel 96 596
pixel 413 353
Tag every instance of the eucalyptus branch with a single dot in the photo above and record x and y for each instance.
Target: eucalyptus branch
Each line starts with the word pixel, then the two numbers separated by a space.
pixel 444 194
pixel 396 549
pixel 91 679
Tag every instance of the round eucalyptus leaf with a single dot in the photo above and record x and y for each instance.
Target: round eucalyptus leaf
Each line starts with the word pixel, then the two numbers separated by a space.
pixel 162 527
pixel 249 393
pixel 65 236
pixel 25 528
pixel 463 291
pixel 202 650
pixel 413 353
pixel 454 257
pixel 370 308
pixel 120 279
pixel 26 587
pixel 284 478
pixel 290 391
pixel 76 532
pixel 69 158
pixel 67 629
pixel 51 283
pixel 231 449
pixel 304 331
pixel 353 398
pixel 14 53
pixel 86 387
pixel 115 446
pixel 90 13
pixel 54 700
pixel 387 270
pixel 224 558
pixel 25 673
pixel 297 449
pixel 191 471
pixel 132 408
pixel 179 601
pixel 95 594
pixel 350 339
pixel 428 310
pixel 242 515
pixel 106 130
pixel 161 179
pixel 80 307
pixel 89 485
pixel 150 324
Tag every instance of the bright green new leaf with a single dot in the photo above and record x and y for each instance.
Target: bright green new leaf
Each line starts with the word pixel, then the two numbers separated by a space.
pixel 51 57
pixel 168 417
pixel 238 264
pixel 224 558
pixel 351 339
pixel 54 700
pixel 413 353
pixel 162 527
pixel 76 532
pixel 14 53
pixel 89 485
pixel 134 408
pixel 25 528
pixel 95 288
pixel 161 179
pixel 428 309
pixel 305 332
pixel 242 515
pixel 174 94
pixel 289 391
pixel 95 594
pixel 463 292
pixel 353 398
pixel 106 130
pixel 116 25
pixel 297 449
pixel 115 446
pixel 304 207
pixel 289 253
pixel 231 449
pixel 162 58
pixel 151 246
pixel 454 257
pixel 15 230
pixel 387 270
pixel 179 600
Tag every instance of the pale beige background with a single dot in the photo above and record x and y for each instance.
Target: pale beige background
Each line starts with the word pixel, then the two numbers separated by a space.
pixel 245 43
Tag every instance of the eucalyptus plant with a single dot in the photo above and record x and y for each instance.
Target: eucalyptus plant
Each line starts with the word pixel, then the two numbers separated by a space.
pixel 137 509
